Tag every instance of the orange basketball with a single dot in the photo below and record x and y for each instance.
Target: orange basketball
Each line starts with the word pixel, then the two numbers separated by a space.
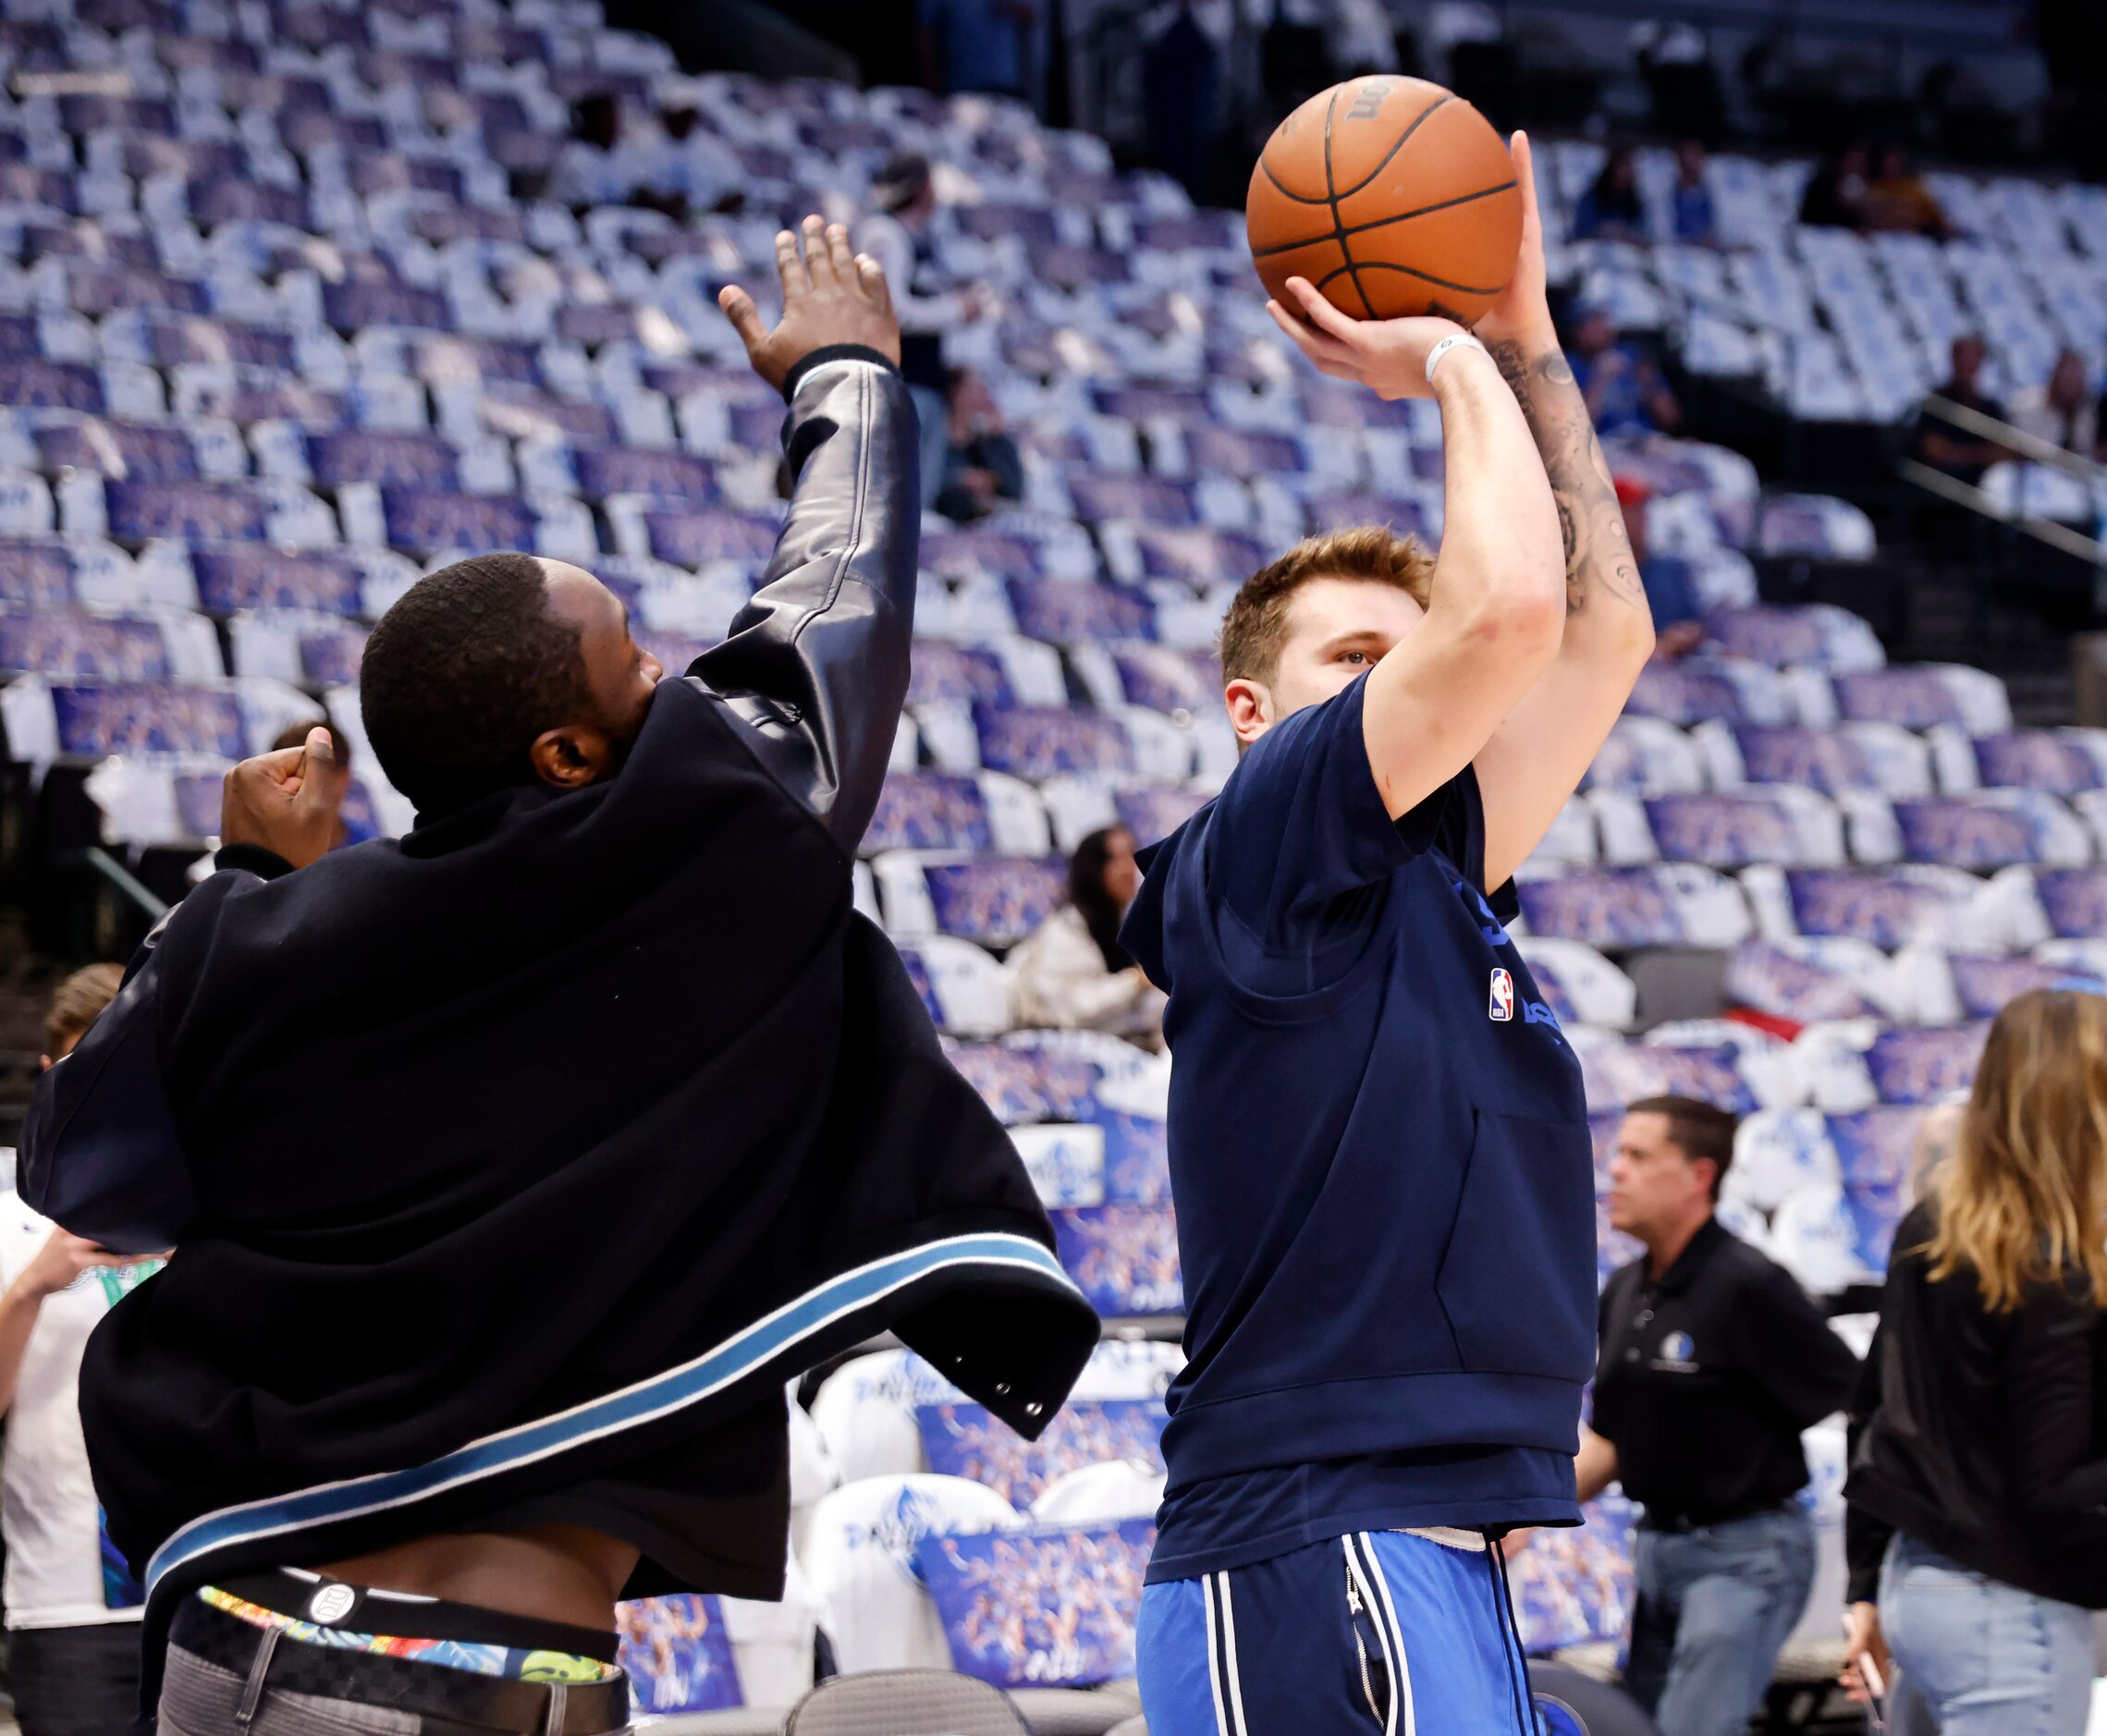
pixel 1392 195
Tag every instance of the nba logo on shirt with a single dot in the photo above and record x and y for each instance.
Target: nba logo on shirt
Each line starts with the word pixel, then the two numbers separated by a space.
pixel 1501 1008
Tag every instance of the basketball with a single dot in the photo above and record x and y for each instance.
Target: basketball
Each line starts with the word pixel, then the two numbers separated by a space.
pixel 1392 195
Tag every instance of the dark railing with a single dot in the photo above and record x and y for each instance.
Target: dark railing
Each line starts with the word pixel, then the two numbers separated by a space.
pixel 126 882
pixel 2064 538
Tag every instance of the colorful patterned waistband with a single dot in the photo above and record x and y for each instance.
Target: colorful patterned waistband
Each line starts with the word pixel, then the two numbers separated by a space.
pixel 516 1663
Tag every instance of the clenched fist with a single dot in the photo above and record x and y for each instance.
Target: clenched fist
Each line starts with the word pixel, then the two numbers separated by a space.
pixel 287 801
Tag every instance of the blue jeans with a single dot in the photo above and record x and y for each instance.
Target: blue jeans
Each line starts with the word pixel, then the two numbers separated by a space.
pixel 1715 1606
pixel 1991 1659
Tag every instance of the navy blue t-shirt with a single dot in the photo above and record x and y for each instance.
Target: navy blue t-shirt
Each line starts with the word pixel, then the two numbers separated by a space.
pixel 1381 1165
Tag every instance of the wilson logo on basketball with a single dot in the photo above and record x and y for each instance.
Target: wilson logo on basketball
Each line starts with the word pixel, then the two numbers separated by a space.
pixel 1369 101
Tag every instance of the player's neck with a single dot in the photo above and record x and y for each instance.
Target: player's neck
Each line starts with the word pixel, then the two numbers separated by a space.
pixel 1664 1246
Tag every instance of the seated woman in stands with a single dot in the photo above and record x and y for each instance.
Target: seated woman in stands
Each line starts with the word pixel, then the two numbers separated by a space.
pixel 1072 973
pixel 1611 210
pixel 1977 1528
pixel 2062 409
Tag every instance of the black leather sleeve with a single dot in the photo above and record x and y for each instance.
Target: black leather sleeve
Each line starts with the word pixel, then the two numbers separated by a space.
pixel 814 670
pixel 100 1154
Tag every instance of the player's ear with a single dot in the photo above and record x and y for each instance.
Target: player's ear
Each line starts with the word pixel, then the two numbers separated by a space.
pixel 572 756
pixel 1250 707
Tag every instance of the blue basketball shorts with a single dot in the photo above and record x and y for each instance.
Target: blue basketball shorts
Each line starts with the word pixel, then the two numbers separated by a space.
pixel 1399 1633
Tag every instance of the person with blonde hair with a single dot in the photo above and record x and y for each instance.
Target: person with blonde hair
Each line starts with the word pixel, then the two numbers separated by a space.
pixel 1977 1494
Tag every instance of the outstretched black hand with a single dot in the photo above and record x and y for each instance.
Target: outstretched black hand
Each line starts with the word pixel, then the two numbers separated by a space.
pixel 830 296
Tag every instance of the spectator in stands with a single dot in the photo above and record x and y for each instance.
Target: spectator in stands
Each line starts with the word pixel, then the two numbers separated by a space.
pixel 1610 210
pixel 661 160
pixel 1678 625
pixel 1939 443
pixel 1899 203
pixel 1696 220
pixel 1181 76
pixel 586 171
pixel 989 46
pixel 2064 409
pixel 982 465
pixel 1712 1362
pixel 72 1610
pixel 1835 195
pixel 1625 392
pixel 1072 973
pixel 1978 1497
pixel 899 238
pixel 351 828
pixel 692 168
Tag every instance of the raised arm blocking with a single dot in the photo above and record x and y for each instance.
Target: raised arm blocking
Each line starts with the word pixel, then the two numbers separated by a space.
pixel 816 663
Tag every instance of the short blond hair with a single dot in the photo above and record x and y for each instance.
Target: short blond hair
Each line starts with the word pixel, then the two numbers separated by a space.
pixel 1255 632
pixel 2023 1199
pixel 76 1003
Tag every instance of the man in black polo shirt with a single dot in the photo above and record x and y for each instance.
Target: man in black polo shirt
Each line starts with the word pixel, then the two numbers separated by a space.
pixel 1712 1362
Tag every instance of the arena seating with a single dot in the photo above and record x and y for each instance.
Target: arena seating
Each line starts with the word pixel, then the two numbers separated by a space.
pixel 1848 327
pixel 287 317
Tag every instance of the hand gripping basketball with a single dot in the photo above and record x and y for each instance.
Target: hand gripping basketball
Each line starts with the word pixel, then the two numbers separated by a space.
pixel 1389 357
pixel 830 296
pixel 1522 313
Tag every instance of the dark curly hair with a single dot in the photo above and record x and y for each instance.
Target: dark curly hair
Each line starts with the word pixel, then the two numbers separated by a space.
pixel 463 674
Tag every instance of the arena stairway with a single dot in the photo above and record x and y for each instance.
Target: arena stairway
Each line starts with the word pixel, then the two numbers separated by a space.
pixel 27 979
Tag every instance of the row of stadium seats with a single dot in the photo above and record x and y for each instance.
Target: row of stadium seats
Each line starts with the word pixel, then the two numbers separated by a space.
pixel 1843 326
pixel 208 137
pixel 1985 802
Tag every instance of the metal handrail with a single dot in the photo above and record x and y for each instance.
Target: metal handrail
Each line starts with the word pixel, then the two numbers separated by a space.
pixel 2022 444
pixel 126 882
pixel 2017 441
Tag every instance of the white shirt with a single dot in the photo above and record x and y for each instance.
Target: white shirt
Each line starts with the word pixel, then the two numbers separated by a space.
pixel 1058 978
pixel 48 1510
pixel 2030 411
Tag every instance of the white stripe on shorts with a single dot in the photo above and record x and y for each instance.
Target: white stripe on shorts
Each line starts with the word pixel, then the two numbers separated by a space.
pixel 1214 1663
pixel 1229 1646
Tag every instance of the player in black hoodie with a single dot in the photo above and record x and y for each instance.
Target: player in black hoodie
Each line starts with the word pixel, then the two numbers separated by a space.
pixel 513 1166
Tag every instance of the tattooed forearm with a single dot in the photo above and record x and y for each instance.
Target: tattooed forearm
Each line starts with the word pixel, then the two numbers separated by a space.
pixel 1597 553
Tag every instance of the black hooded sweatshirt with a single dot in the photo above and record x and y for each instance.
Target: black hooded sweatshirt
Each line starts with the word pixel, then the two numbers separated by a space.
pixel 512 1167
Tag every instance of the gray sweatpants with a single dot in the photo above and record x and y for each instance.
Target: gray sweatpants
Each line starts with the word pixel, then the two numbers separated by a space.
pixel 199 1698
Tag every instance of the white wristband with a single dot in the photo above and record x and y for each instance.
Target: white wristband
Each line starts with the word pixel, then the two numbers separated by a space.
pixel 1444 346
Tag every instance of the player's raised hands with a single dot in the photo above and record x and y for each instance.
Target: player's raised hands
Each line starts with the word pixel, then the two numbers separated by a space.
pixel 1523 311
pixel 831 295
pixel 1387 356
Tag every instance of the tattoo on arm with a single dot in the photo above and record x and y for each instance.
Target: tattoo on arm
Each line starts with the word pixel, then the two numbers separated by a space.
pixel 1597 553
